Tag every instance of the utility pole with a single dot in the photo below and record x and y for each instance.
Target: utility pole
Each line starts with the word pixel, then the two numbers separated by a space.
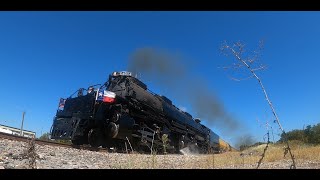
pixel 22 123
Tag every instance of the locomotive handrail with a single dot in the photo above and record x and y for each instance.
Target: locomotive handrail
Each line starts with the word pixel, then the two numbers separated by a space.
pixel 95 85
pixel 76 92
pixel 84 89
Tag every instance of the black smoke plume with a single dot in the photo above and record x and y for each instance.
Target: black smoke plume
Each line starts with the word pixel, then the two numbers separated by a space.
pixel 244 141
pixel 172 73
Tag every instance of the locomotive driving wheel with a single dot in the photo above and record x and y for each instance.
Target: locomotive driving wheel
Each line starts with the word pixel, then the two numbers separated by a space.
pixel 95 137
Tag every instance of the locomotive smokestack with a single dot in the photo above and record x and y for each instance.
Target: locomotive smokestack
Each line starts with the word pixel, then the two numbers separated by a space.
pixel 170 72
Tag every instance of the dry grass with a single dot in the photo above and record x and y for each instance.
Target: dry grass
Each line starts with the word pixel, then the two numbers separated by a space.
pixel 300 151
pixel 245 159
pixel 249 156
pixel 274 153
pixel 31 154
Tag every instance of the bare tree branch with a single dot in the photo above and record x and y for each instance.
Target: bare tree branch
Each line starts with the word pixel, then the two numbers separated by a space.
pixel 239 79
pixel 129 144
pixel 260 68
pixel 236 50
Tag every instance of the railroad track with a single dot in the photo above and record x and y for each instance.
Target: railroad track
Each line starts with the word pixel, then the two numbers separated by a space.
pixel 50 143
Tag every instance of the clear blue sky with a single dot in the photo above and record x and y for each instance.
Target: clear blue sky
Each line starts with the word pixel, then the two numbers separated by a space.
pixel 48 55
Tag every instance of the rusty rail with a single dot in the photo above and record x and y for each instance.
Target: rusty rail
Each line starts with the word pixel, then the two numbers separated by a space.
pixel 50 143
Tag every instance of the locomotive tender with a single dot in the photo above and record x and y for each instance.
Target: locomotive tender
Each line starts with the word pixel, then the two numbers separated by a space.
pixel 124 113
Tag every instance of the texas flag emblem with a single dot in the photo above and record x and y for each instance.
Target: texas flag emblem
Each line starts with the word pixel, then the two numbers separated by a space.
pixel 106 96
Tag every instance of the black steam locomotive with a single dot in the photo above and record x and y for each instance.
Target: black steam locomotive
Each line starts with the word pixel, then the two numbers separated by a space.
pixel 123 113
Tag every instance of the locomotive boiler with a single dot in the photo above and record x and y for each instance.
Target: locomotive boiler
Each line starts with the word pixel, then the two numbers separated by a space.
pixel 123 113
